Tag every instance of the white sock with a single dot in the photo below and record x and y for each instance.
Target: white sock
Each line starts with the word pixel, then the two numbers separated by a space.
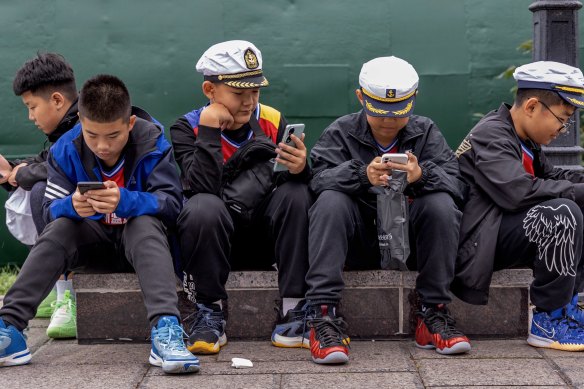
pixel 289 303
pixel 62 286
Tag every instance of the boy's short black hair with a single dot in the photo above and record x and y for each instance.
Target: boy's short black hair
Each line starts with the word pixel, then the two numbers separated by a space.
pixel 104 99
pixel 45 74
pixel 547 97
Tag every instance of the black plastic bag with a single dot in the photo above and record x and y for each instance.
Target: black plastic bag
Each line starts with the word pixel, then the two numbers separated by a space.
pixel 392 223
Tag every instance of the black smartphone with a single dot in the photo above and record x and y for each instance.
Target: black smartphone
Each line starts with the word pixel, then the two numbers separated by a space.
pixel 84 186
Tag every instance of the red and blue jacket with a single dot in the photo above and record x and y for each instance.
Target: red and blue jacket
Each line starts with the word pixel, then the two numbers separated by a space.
pixel 152 184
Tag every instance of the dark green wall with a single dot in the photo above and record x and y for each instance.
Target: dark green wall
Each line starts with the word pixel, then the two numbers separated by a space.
pixel 313 51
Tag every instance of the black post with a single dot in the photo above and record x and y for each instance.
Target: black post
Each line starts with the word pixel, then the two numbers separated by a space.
pixel 555 38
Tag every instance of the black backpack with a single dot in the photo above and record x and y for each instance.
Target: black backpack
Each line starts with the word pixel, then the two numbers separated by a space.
pixel 248 176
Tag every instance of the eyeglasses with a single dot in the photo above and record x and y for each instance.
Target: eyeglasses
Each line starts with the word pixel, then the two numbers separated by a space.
pixel 566 126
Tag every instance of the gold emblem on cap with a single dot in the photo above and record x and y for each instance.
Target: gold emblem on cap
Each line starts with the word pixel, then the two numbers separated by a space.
pixel 245 85
pixel 375 110
pixel 570 89
pixel 405 110
pixel 576 101
pixel 251 60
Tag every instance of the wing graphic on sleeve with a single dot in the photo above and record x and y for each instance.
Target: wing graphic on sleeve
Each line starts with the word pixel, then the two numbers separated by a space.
pixel 553 230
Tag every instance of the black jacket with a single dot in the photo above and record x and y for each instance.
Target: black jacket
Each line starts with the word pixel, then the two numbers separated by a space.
pixel 491 164
pixel 201 158
pixel 345 149
pixel 36 169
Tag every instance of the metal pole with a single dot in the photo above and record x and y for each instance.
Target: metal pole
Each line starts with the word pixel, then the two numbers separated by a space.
pixel 555 38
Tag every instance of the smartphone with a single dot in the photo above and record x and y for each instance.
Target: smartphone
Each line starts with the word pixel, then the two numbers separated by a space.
pixel 291 129
pixel 395 157
pixel 84 186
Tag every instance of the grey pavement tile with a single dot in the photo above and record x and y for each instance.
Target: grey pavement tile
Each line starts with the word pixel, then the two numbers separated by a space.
pixel 306 367
pixel 507 387
pixel 503 372
pixel 87 377
pixel 572 368
pixel 487 349
pixel 191 381
pixel 36 337
pixel 39 323
pixel 70 353
pixel 553 354
pixel 264 351
pixel 351 381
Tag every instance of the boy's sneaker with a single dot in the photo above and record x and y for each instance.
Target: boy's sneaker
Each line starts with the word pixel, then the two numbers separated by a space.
pixel 556 330
pixel 291 329
pixel 169 350
pixel 328 343
pixel 575 311
pixel 13 350
pixel 45 310
pixel 64 320
pixel 206 329
pixel 437 329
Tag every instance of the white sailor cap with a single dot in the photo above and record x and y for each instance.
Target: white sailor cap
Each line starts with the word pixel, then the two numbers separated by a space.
pixel 566 80
pixel 389 86
pixel 234 63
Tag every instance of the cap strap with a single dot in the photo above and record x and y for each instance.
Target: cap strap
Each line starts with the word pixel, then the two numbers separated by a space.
pixel 388 99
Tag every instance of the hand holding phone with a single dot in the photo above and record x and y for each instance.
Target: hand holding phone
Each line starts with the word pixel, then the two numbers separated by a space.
pixel 291 129
pixel 395 157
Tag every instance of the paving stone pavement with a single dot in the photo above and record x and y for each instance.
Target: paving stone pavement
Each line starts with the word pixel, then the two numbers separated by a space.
pixel 374 364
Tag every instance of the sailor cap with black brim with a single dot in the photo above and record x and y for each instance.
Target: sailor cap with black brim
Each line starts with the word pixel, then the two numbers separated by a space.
pixel 566 80
pixel 389 86
pixel 234 63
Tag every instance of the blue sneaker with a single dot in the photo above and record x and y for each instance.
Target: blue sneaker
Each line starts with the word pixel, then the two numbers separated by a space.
pixel 556 330
pixel 291 330
pixel 575 311
pixel 13 350
pixel 206 329
pixel 168 348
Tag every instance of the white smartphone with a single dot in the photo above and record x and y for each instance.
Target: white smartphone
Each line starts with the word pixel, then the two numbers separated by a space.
pixel 395 157
pixel 291 129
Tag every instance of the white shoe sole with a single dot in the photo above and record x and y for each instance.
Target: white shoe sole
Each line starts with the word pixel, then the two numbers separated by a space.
pixel 16 359
pixel 290 342
pixel 335 358
pixel 173 367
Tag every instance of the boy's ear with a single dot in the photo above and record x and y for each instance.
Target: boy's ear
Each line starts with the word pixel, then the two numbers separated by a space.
pixel 208 89
pixel 131 122
pixel 58 100
pixel 359 95
pixel 529 106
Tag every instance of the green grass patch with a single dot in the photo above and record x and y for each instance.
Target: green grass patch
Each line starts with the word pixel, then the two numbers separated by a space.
pixel 7 277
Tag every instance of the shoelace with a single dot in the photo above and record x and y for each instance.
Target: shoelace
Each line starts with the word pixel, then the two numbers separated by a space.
pixel 302 314
pixel 440 322
pixel 329 331
pixel 58 304
pixel 571 323
pixel 171 337
pixel 203 319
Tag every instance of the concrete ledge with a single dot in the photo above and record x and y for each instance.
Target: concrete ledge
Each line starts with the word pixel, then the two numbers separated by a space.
pixel 376 304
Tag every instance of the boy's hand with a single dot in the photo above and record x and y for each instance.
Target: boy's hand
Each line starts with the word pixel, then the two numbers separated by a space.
pixel 81 206
pixel 12 176
pixel 413 170
pixel 5 169
pixel 217 116
pixel 377 172
pixel 293 158
pixel 104 200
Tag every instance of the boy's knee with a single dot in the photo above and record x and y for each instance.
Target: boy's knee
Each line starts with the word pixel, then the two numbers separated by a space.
pixel 203 209
pixel 331 203
pixel 437 206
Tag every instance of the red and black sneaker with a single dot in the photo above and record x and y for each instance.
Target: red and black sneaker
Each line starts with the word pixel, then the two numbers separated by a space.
pixel 328 344
pixel 437 329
